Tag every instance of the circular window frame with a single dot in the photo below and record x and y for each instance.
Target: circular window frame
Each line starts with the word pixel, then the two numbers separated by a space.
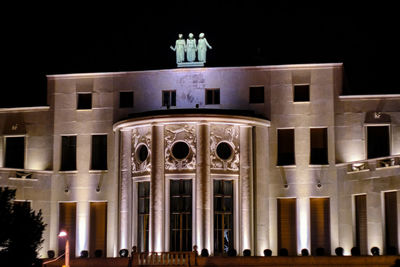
pixel 172 153
pixel 138 147
pixel 231 146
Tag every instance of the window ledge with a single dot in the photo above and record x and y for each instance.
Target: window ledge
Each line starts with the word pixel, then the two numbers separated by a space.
pixel 22 179
pixel 301 102
pixel 98 171
pixel 388 167
pixel 352 172
pixel 286 166
pixel 74 171
pixel 318 165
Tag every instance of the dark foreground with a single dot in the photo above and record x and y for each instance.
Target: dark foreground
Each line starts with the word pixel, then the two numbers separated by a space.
pixel 329 261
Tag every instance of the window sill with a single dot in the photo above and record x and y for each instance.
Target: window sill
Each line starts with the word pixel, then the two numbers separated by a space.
pixel 286 166
pixel 22 179
pixel 98 171
pixel 301 102
pixel 318 165
pixel 352 172
pixel 388 167
pixel 74 171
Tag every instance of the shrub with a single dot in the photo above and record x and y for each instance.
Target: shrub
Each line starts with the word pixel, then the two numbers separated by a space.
pixel 247 252
pixel 375 251
pixel 232 252
pixel 51 254
pixel 304 252
pixel 123 253
pixel 84 254
pixel 204 252
pixel 267 252
pixel 339 251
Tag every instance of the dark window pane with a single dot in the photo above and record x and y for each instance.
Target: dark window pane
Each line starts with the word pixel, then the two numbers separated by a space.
pixel 286 154
pixel 126 99
pixel 180 150
pixel 84 101
pixel 68 153
pixel 224 151
pixel 15 152
pixel 216 96
pixel 223 216
pixel 99 152
pixel 165 98
pixel 257 94
pixel 143 216
pixel 180 215
pixel 209 97
pixel 301 93
pixel 173 98
pixel 319 146
pixel 378 141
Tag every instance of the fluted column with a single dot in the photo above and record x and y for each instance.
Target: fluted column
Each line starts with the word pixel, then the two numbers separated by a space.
pixel 157 189
pixel 203 188
pixel 82 222
pixel 303 224
pixel 125 190
pixel 246 193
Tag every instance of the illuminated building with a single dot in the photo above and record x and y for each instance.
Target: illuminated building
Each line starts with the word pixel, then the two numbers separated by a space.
pixel 264 157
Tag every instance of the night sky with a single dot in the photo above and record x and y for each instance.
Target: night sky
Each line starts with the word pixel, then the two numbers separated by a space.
pixel 41 39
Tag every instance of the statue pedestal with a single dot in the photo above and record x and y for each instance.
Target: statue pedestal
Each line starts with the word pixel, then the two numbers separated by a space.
pixel 190 64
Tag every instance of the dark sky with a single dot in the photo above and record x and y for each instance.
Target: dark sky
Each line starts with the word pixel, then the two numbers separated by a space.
pixel 71 38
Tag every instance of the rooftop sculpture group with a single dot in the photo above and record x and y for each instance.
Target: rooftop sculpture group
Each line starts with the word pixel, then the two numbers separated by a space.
pixel 190 47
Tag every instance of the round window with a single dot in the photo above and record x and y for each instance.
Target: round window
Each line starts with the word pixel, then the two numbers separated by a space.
pixel 142 153
pixel 180 150
pixel 224 150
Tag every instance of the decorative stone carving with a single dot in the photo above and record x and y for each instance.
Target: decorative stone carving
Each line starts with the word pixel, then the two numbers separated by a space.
pixel 141 150
pixel 173 135
pixel 224 134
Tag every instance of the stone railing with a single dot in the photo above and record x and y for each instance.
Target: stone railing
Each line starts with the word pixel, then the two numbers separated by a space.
pixel 373 164
pixel 164 258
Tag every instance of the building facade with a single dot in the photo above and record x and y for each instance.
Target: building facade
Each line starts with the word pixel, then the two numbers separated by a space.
pixel 264 157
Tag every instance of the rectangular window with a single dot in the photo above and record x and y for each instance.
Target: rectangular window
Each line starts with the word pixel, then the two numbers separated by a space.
pixel 15 152
pixel 143 216
pixel 22 203
pixel 98 228
pixel 212 96
pixel 319 146
pixel 360 204
pixel 301 93
pixel 378 141
pixel 391 224
pixel 84 101
pixel 223 216
pixel 169 98
pixel 181 215
pixel 68 153
pixel 287 232
pixel 99 152
pixel 320 225
pixel 126 99
pixel 286 154
pixel 67 222
pixel 256 95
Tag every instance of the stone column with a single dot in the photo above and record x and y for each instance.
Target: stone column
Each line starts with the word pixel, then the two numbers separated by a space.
pixel 157 189
pixel 303 224
pixel 203 188
pixel 82 223
pixel 375 221
pixel 125 190
pixel 246 192
pixel 260 188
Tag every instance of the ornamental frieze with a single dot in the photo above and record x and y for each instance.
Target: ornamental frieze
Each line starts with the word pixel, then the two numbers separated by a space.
pixel 180 147
pixel 224 147
pixel 141 149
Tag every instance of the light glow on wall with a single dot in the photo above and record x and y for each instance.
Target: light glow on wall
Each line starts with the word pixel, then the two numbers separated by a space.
pixel 83 235
pixel 303 222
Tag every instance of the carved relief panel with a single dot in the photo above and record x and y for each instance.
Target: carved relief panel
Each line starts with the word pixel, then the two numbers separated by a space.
pixel 224 147
pixel 180 147
pixel 141 149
